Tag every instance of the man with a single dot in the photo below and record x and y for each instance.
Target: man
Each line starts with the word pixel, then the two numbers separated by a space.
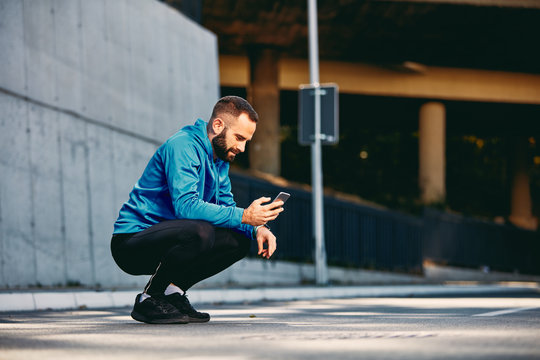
pixel 181 224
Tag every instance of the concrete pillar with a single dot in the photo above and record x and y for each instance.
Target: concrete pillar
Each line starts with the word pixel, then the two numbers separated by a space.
pixel 521 203
pixel 263 94
pixel 432 157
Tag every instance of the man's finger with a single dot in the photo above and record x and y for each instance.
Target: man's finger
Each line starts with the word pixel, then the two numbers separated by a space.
pixel 272 215
pixel 272 245
pixel 260 246
pixel 275 212
pixel 273 205
pixel 262 200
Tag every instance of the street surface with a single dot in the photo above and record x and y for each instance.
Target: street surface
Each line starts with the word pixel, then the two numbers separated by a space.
pixel 368 328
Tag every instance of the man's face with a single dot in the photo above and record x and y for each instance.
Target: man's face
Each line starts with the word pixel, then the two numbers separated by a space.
pixel 233 138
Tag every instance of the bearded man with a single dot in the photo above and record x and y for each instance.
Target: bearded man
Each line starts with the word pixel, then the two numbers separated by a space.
pixel 181 225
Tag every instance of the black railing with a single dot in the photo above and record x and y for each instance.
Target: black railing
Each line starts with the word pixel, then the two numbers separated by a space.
pixel 462 241
pixel 355 235
pixel 366 237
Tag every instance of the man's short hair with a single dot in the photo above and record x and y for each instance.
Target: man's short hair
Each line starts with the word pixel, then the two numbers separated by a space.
pixel 235 106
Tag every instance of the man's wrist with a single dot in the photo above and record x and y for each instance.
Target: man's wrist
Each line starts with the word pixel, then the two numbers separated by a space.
pixel 256 228
pixel 243 220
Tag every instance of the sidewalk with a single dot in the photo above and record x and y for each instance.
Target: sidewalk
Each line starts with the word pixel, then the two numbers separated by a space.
pixel 252 280
pixel 32 300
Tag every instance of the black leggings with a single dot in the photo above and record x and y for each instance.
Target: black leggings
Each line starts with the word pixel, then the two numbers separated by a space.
pixel 182 252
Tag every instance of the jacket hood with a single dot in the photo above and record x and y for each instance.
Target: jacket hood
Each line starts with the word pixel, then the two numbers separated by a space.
pixel 198 130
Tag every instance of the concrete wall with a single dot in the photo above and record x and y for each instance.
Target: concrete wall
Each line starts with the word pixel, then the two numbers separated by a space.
pixel 88 90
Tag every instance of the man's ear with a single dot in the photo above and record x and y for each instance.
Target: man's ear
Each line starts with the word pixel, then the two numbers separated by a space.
pixel 218 125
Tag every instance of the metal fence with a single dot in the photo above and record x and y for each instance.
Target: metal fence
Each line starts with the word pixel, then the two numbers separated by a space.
pixel 355 235
pixel 365 237
pixel 463 241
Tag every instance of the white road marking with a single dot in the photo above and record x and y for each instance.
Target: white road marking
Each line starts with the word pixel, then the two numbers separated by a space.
pixel 504 312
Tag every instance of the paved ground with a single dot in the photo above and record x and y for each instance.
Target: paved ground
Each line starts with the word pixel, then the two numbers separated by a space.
pixel 371 328
pixel 70 299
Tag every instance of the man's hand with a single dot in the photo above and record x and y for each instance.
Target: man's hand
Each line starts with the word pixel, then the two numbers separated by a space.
pixel 265 236
pixel 258 214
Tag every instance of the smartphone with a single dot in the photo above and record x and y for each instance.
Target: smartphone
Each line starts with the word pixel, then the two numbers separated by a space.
pixel 283 196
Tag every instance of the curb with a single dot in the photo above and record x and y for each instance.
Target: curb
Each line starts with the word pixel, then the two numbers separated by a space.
pixel 85 299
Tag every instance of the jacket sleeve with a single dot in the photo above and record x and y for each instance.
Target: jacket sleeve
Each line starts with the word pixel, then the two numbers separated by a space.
pixel 182 164
pixel 226 198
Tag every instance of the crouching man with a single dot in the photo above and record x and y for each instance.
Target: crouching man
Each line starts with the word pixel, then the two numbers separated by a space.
pixel 181 225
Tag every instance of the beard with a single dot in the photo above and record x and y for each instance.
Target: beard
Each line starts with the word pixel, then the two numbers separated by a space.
pixel 219 143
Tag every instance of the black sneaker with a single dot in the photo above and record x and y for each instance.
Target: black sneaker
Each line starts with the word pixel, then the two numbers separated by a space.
pixel 181 303
pixel 155 310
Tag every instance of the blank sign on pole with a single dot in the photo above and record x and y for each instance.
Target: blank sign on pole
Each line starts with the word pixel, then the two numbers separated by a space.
pixel 329 114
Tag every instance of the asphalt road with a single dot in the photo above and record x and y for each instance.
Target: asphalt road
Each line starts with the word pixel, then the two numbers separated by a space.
pixel 367 328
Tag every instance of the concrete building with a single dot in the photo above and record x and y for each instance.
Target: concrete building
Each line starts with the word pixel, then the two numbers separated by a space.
pixel 88 90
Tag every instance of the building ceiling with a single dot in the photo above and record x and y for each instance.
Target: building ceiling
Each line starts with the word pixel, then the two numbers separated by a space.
pixel 485 34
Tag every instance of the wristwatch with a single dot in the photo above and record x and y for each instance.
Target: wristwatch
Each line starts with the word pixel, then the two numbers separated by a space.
pixel 255 228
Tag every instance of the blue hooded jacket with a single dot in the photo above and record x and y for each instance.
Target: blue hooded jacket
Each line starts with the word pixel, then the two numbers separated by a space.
pixel 182 181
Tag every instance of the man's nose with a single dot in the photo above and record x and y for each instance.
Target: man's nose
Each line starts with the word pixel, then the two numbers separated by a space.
pixel 241 147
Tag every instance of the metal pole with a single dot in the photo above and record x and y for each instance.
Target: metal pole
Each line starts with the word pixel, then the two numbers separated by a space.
pixel 321 273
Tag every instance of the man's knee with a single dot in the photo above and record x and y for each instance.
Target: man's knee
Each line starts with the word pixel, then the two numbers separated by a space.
pixel 231 241
pixel 244 244
pixel 206 235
